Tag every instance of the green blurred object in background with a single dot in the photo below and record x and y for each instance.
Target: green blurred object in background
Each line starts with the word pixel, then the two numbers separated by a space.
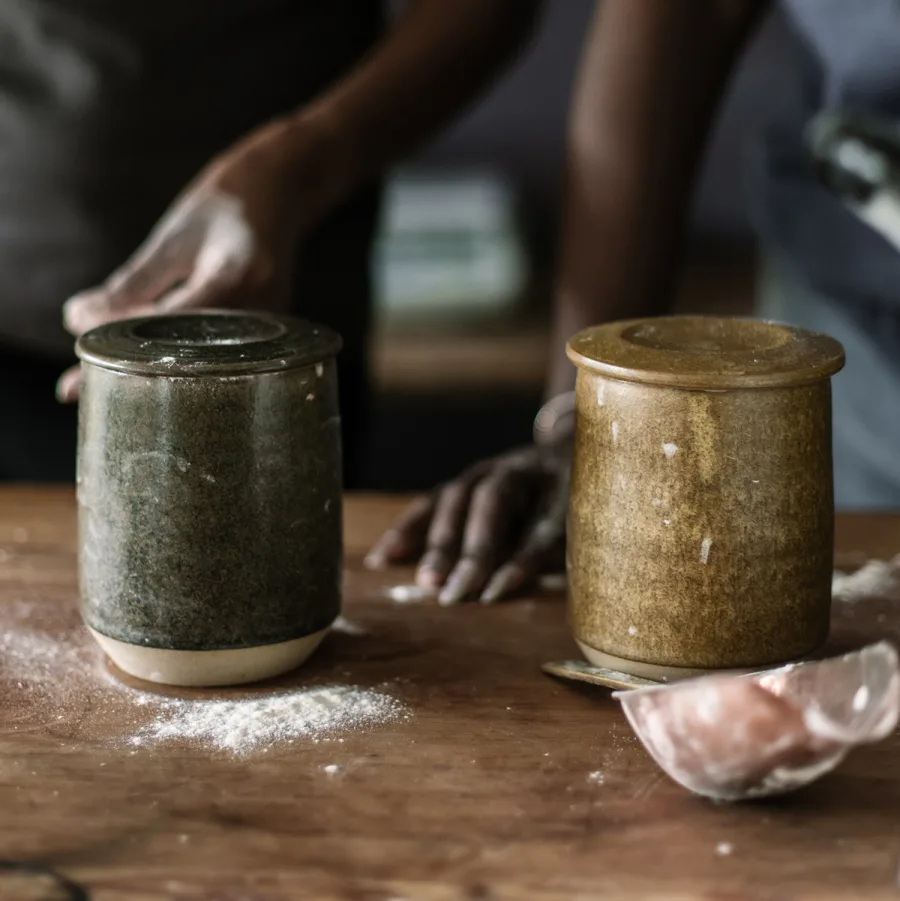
pixel 449 247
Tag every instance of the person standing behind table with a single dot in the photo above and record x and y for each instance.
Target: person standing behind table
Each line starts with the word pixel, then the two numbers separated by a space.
pixel 287 109
pixel 650 80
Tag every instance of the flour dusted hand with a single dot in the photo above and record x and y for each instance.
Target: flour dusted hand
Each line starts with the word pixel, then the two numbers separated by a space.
pixel 227 241
pixel 230 238
pixel 201 250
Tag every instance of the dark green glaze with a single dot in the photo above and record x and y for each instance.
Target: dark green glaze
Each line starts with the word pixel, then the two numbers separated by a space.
pixel 702 521
pixel 209 481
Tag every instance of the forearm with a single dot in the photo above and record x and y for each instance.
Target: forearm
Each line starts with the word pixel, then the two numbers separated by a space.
pixel 438 58
pixel 650 78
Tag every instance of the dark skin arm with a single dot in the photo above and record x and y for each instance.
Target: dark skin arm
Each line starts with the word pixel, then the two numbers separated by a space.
pixel 229 239
pixel 651 75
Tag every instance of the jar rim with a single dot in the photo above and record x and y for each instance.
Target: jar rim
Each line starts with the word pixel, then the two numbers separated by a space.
pixel 707 352
pixel 207 342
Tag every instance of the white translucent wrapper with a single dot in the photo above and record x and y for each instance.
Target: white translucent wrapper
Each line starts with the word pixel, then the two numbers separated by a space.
pixel 738 737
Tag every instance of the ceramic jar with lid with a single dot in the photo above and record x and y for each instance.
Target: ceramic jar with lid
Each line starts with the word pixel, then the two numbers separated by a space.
pixel 701 519
pixel 209 494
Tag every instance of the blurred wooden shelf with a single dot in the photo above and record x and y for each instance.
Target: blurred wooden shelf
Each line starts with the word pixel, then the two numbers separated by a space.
pixel 439 363
pixel 498 357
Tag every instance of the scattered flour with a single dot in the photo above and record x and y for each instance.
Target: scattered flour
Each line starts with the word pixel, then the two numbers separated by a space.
pixel 36 660
pixel 724 849
pixel 409 594
pixel 347 627
pixel 876 579
pixel 249 724
pixel 59 681
pixel 596 777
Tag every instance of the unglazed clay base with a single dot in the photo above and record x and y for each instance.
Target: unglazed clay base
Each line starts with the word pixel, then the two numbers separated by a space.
pixel 209 668
pixel 652 671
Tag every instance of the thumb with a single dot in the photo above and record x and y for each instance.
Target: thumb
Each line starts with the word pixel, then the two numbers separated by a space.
pixel 68 385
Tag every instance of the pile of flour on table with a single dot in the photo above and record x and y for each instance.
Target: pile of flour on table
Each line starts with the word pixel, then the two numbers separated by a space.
pixel 60 681
pixel 255 723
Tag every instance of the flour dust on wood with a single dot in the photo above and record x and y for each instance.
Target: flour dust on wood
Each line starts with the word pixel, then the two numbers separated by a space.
pixel 58 681
pixel 876 579
pixel 250 724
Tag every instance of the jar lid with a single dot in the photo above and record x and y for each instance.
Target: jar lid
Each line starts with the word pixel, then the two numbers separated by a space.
pixel 707 352
pixel 207 342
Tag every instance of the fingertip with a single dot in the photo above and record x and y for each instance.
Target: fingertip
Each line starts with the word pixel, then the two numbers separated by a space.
pixel 505 580
pixel 67 389
pixel 68 384
pixel 490 595
pixel 492 591
pixel 428 578
pixel 84 311
pixel 454 589
pixel 433 569
pixel 463 581
pixel 377 556
pixel 78 297
pixel 374 560
pixel 71 312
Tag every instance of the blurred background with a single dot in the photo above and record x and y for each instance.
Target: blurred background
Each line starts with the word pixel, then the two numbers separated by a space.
pixel 464 261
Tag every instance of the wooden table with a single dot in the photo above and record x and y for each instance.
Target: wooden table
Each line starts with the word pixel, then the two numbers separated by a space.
pixel 484 792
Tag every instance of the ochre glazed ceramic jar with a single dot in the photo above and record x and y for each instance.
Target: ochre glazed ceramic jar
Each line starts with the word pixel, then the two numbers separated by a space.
pixel 701 519
pixel 209 494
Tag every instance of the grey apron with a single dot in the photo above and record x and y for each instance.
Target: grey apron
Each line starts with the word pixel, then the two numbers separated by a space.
pixel 824 269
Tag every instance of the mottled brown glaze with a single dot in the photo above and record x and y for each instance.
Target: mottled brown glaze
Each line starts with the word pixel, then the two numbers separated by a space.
pixel 702 521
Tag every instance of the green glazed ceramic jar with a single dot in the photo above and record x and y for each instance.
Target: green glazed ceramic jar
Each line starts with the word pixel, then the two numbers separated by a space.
pixel 209 494
pixel 701 521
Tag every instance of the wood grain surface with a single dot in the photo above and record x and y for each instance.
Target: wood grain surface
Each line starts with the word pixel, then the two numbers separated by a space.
pixel 484 792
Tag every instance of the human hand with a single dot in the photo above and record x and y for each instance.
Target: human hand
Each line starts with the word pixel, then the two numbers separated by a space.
pixel 228 240
pixel 490 532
